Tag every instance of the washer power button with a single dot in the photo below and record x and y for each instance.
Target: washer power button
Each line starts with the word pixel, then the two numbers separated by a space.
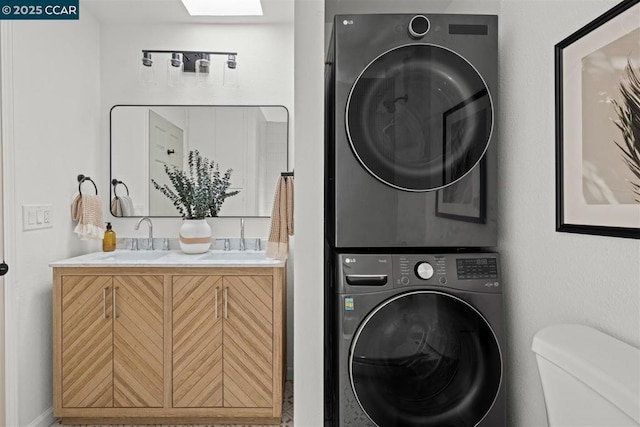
pixel 424 270
pixel 404 280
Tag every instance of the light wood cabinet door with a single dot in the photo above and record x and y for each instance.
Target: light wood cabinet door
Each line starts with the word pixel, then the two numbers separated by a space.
pixel 248 341
pixel 87 337
pixel 138 341
pixel 197 341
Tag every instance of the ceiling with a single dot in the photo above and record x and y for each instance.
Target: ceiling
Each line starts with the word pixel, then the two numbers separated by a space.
pixel 173 11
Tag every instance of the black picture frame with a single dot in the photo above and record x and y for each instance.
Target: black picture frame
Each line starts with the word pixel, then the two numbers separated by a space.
pixel 574 213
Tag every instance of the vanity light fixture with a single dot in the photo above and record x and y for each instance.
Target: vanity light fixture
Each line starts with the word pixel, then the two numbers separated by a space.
pixel 223 7
pixel 183 61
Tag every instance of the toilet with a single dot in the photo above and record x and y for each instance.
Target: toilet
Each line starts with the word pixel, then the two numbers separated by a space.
pixel 588 378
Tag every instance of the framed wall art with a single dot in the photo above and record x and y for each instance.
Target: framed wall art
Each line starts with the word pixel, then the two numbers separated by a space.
pixel 598 126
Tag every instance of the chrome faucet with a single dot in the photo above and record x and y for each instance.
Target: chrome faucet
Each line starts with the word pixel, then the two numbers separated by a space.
pixel 137 227
pixel 242 247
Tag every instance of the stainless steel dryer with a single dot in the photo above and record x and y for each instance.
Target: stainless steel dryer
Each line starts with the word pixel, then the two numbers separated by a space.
pixel 411 106
pixel 420 341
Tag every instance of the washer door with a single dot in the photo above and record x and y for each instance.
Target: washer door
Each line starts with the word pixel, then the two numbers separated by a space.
pixel 419 117
pixel 425 359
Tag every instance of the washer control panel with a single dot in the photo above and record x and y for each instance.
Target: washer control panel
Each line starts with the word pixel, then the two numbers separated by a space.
pixel 413 269
pixel 477 268
pixel 473 271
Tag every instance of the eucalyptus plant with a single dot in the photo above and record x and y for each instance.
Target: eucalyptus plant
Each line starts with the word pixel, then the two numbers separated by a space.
pixel 200 191
pixel 628 112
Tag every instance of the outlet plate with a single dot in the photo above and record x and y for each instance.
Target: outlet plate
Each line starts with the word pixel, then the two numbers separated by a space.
pixel 35 217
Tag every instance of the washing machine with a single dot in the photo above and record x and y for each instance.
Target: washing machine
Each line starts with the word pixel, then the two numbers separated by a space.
pixel 420 340
pixel 410 131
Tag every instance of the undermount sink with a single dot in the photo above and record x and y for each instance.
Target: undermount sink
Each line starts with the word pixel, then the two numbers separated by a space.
pixel 126 255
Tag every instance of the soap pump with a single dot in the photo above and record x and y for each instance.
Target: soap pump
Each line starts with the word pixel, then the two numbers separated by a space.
pixel 109 240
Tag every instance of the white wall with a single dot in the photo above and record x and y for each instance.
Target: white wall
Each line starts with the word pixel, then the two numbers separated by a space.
pixel 55 69
pixel 308 268
pixel 549 277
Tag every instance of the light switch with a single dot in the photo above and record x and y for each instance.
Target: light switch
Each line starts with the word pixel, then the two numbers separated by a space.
pixel 36 216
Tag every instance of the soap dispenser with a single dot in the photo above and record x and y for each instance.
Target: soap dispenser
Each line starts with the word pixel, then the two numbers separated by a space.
pixel 109 240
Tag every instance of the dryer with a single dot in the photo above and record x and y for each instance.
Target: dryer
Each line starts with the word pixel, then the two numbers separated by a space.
pixel 420 340
pixel 410 137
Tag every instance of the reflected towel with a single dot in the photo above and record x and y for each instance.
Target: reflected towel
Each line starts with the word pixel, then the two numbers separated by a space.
pixel 281 220
pixel 87 210
pixel 126 206
pixel 122 206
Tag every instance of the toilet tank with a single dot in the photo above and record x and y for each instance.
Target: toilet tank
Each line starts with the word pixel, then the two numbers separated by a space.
pixel 588 378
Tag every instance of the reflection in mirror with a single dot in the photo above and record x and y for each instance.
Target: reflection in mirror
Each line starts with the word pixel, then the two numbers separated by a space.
pixel 251 140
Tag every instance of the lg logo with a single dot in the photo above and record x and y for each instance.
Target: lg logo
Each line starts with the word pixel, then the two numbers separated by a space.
pixel 350 260
pixel 347 22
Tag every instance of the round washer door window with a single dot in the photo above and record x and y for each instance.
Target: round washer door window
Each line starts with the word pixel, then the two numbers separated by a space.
pixel 419 117
pixel 425 359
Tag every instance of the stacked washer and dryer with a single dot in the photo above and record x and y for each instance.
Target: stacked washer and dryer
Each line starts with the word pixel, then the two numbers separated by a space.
pixel 414 309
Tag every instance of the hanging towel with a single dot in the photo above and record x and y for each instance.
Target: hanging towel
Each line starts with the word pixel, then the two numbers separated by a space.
pixel 115 207
pixel 281 220
pixel 87 210
pixel 126 206
pixel 122 206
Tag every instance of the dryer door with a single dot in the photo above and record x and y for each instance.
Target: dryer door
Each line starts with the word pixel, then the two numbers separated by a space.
pixel 419 117
pixel 425 359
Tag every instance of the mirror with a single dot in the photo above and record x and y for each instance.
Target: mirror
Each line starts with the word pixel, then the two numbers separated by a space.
pixel 250 140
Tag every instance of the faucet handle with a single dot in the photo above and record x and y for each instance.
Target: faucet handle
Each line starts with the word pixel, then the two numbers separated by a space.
pixel 134 244
pixel 258 245
pixel 165 244
pixel 227 244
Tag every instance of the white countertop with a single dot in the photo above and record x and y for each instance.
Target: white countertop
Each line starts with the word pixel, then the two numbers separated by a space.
pixel 128 258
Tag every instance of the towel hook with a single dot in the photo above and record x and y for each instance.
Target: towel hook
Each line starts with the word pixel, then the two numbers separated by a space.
pixel 287 173
pixel 115 183
pixel 81 179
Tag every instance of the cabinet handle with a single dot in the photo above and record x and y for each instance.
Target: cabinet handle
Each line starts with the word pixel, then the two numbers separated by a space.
pixel 104 302
pixel 115 309
pixel 217 288
pixel 226 300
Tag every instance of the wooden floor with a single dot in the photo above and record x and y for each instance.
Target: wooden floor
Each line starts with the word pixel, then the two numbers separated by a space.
pixel 287 414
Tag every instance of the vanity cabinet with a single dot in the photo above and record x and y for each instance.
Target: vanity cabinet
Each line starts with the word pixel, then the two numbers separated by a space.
pixel 223 341
pixel 161 345
pixel 112 341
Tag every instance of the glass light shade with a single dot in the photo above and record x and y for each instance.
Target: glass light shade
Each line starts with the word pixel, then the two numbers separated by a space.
pixel 146 74
pixel 175 74
pixel 230 76
pixel 204 72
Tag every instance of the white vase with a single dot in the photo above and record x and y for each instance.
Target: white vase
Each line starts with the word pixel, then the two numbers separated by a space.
pixel 195 236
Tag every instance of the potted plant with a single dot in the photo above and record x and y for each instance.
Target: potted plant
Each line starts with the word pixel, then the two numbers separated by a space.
pixel 197 193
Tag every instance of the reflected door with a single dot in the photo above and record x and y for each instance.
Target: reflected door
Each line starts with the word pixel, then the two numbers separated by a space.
pixel 166 142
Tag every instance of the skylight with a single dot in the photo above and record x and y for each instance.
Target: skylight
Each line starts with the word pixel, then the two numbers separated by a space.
pixel 223 7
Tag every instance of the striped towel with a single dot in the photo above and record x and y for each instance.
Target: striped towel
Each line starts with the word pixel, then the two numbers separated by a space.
pixel 87 210
pixel 281 220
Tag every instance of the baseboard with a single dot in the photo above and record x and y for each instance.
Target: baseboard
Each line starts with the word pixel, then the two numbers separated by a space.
pixel 45 419
pixel 289 373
